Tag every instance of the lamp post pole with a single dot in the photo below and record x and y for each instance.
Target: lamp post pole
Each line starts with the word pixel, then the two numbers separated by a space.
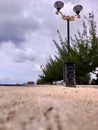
pixel 68 38
pixel 69 67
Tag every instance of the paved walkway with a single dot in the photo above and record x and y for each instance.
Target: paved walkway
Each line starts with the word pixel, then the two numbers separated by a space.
pixel 48 108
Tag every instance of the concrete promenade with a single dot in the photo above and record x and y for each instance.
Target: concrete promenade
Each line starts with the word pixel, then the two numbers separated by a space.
pixel 49 108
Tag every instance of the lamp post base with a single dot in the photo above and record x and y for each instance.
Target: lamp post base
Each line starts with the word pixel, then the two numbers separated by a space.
pixel 69 74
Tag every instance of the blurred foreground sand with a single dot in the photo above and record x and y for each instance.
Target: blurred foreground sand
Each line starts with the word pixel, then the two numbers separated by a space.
pixel 49 108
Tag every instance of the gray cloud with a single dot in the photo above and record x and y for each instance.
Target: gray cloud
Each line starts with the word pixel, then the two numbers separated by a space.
pixel 15 21
pixel 24 56
pixel 15 29
pixel 17 54
pixel 21 18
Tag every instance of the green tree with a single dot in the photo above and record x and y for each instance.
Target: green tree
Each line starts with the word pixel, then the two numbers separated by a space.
pixel 84 53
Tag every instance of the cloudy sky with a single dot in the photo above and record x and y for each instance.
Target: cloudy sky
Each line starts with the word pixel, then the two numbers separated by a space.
pixel 27 28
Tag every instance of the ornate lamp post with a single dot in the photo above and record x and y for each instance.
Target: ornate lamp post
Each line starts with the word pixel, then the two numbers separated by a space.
pixel 69 67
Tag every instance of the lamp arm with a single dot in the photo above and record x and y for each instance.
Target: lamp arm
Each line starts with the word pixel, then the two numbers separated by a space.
pixel 71 18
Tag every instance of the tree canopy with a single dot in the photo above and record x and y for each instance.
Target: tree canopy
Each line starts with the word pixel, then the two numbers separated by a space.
pixel 83 50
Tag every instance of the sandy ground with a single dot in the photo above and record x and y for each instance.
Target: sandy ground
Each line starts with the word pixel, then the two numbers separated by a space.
pixel 49 108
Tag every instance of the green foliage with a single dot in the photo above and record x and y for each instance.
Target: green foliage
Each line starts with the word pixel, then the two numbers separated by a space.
pixel 84 53
pixel 53 70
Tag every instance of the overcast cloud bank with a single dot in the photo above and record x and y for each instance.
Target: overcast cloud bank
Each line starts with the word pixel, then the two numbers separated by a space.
pixel 27 29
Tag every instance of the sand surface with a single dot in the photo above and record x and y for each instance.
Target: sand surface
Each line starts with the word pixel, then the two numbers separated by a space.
pixel 49 108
